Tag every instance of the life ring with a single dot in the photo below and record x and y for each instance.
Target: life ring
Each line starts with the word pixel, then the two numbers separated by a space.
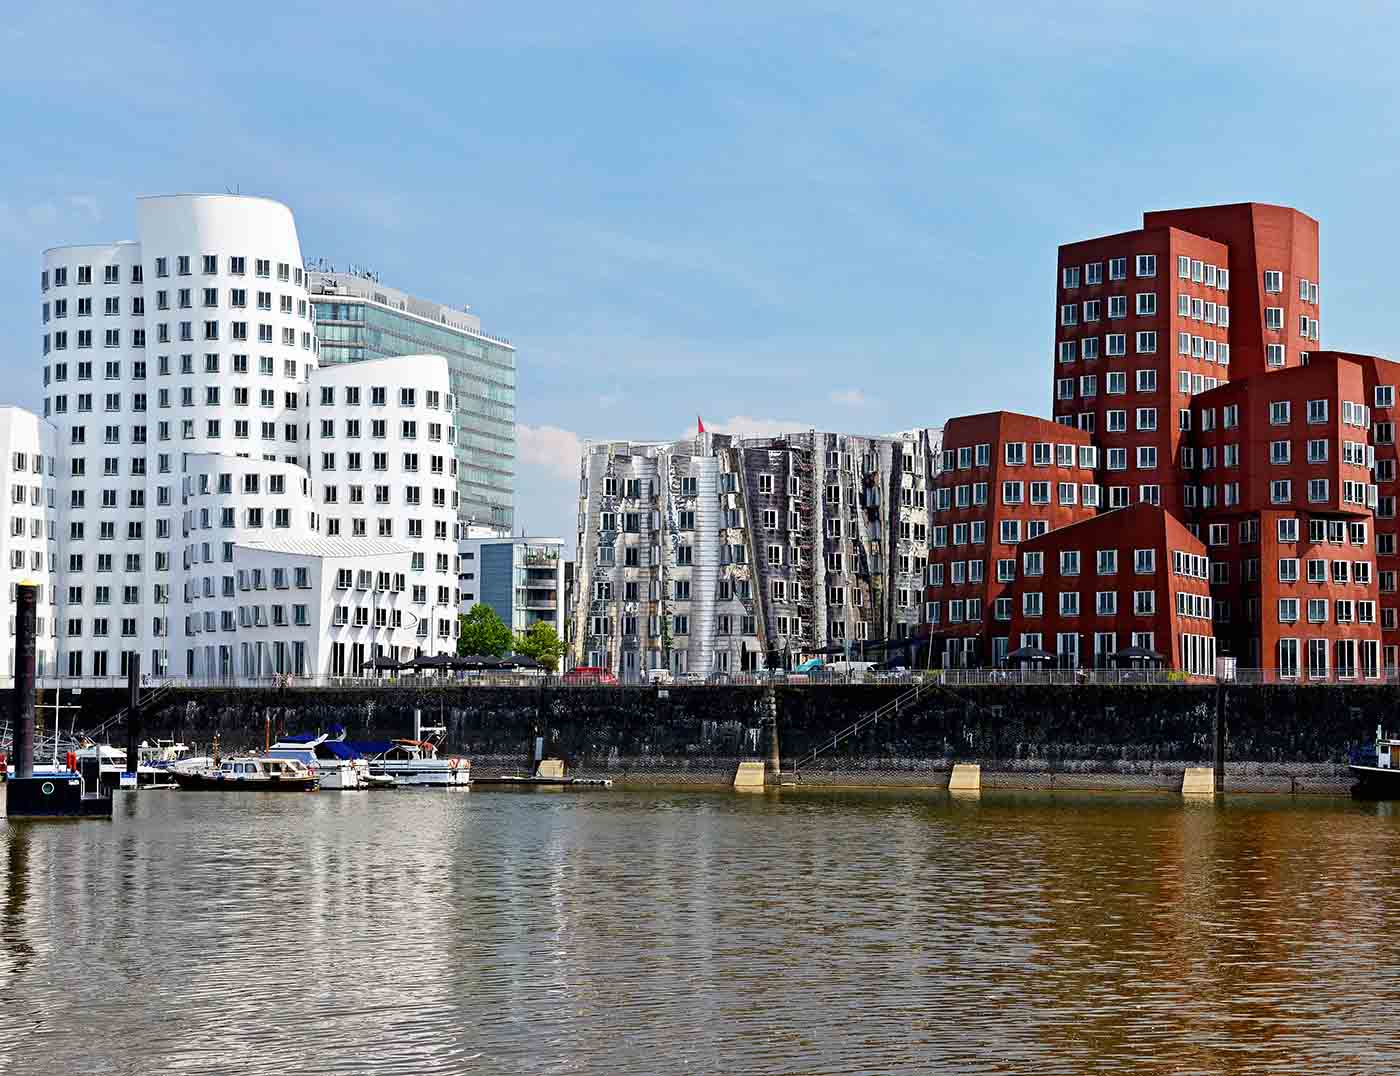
pixel 452 762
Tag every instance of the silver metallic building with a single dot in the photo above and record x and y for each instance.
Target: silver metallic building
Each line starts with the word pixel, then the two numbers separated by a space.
pixel 722 554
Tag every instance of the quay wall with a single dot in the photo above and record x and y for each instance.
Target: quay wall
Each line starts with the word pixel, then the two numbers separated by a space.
pixel 1279 738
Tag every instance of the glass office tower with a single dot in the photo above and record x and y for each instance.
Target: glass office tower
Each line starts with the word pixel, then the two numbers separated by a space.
pixel 359 318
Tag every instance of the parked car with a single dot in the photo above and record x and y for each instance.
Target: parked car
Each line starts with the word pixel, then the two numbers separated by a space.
pixel 689 678
pixel 658 676
pixel 588 674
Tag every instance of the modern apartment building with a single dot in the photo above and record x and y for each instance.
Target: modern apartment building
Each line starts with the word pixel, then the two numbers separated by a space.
pixel 358 318
pixel 722 554
pixel 1130 579
pixel 29 520
pixel 1190 351
pixel 521 578
pixel 1003 479
pixel 210 473
pixel 1147 319
pixel 1284 470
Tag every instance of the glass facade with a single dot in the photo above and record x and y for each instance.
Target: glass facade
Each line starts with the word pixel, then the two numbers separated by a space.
pixel 483 381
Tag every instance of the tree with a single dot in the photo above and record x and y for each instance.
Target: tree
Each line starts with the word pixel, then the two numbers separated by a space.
pixel 483 632
pixel 542 643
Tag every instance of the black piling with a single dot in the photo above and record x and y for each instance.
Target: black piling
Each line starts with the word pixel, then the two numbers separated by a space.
pixel 133 710
pixel 22 705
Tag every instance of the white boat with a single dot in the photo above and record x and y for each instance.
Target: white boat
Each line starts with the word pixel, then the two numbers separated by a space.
pixel 155 762
pixel 415 763
pixel 338 765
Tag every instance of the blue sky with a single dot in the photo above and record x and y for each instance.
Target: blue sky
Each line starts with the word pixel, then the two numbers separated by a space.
pixel 771 215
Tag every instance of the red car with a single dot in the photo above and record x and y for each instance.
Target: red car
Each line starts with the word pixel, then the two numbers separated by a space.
pixel 588 674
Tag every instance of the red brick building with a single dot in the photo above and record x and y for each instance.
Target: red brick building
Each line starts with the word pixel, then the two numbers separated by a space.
pixel 1146 319
pixel 1251 475
pixel 1135 577
pixel 1283 466
pixel 1382 378
pixel 1275 301
pixel 1004 479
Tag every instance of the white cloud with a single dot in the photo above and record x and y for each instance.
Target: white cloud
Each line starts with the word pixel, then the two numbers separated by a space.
pixel 550 448
pixel 849 398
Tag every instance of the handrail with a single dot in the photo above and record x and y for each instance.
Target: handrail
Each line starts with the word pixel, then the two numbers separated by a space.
pixel 120 715
pixel 864 722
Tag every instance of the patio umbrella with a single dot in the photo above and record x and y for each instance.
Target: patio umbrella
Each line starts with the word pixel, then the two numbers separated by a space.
pixel 382 664
pixel 517 661
pixel 476 662
pixel 1030 653
pixel 436 661
pixel 1137 653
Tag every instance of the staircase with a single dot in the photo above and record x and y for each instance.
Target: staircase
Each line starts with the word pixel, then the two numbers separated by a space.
pixel 890 709
pixel 155 694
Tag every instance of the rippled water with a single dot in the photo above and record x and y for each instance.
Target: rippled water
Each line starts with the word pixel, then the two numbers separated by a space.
pixel 679 932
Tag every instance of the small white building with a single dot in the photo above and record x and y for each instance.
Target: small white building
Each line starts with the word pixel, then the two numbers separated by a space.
pixel 318 607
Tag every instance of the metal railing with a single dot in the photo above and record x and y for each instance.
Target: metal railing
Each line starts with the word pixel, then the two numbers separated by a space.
pixel 948 677
pixel 160 690
pixel 890 709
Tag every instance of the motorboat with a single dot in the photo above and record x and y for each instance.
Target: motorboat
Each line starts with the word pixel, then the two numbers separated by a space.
pixel 1377 771
pixel 415 763
pixel 340 767
pixel 155 761
pixel 250 773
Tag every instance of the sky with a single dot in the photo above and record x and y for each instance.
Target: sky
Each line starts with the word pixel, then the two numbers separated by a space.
pixel 773 216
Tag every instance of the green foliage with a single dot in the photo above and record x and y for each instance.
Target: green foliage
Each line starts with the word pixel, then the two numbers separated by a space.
pixel 483 632
pixel 542 643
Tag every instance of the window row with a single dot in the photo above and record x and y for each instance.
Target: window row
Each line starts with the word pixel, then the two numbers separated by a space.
pixel 1093 272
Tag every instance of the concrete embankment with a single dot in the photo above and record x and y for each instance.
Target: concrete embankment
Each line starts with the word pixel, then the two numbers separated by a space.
pixel 1277 738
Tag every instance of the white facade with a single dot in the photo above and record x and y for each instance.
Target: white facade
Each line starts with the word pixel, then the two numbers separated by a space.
pixel 29 524
pixel 181 377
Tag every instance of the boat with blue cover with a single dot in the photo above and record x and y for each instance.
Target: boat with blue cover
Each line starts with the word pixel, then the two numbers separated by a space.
pixel 337 763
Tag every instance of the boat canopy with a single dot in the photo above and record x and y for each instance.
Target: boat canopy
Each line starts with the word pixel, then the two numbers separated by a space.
pixel 370 747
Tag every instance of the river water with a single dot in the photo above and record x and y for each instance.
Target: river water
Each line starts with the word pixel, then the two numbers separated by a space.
pixel 690 932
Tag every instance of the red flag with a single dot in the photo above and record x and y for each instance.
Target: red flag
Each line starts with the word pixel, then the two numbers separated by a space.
pixel 700 422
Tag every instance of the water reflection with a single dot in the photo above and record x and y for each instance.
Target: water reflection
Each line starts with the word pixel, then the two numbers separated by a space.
pixel 675 931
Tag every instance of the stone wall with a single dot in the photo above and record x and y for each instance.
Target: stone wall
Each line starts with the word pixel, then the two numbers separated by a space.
pixel 1285 737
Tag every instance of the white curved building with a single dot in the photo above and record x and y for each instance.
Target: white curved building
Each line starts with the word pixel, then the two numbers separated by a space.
pixel 29 524
pixel 180 374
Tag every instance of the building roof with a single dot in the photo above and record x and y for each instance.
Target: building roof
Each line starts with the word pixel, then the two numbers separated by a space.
pixel 326 547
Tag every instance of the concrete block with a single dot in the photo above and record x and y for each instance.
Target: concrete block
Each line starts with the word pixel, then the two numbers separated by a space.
pixel 1198 781
pixel 749 775
pixel 550 767
pixel 966 777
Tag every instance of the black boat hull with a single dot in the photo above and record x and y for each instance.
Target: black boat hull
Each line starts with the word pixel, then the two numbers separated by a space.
pixel 198 782
pixel 1375 782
